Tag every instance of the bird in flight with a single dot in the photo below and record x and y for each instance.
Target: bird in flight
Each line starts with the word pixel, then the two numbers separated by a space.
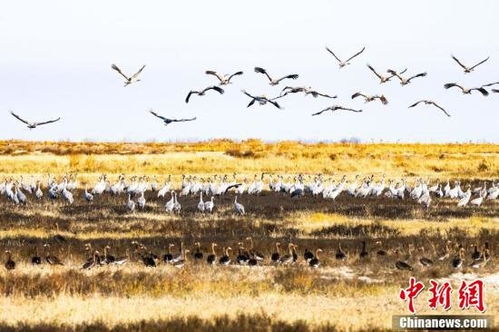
pixel 347 62
pixel 466 91
pixel 167 121
pixel 129 80
pixel 262 100
pixel 382 78
pixel 490 84
pixel 368 99
pixel 260 70
pixel 336 108
pixel 224 79
pixel 306 90
pixel 430 102
pixel 202 92
pixel 466 68
pixel 33 125
pixel 403 80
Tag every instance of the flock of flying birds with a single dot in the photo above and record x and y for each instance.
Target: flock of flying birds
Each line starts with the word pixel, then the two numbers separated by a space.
pixel 225 79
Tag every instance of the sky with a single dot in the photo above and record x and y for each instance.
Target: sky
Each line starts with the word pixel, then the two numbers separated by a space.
pixel 56 57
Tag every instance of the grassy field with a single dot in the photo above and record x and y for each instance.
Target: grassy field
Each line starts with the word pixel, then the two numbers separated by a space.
pixel 242 298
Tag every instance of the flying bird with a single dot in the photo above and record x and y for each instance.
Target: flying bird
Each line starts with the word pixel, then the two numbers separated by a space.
pixel 306 90
pixel 262 100
pixel 167 121
pixel 490 84
pixel 33 125
pixel 403 80
pixel 336 108
pixel 368 99
pixel 224 79
pixel 347 62
pixel 430 102
pixel 260 70
pixel 129 80
pixel 495 90
pixel 382 78
pixel 202 92
pixel 467 91
pixel 466 68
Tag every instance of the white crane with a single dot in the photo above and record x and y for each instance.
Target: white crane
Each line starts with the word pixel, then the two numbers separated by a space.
pixel 88 196
pixel 238 207
pixel 170 205
pixel 201 206
pixel 141 201
pixel 130 204
pixel 209 205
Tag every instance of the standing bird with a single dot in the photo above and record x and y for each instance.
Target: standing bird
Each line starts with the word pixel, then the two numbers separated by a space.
pixel 203 92
pixel 467 69
pixel 167 121
pixel 277 254
pixel 430 102
pixel 129 80
pixel 403 80
pixel 260 70
pixel 262 100
pixel 458 260
pixel 368 99
pixel 347 62
pixel 340 254
pixel 88 196
pixel 315 262
pixel 336 108
pixel 224 79
pixel 209 205
pixel 364 253
pixel 201 205
pixel 212 258
pixel 238 207
pixel 130 204
pixel 225 259
pixel 466 91
pixel 33 125
pixel 9 264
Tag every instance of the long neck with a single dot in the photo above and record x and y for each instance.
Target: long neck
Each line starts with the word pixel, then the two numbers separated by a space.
pixel 213 248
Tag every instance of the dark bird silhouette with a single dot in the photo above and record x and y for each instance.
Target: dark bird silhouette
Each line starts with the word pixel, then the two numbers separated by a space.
pixel 336 108
pixel 260 70
pixel 466 91
pixel 466 68
pixel 315 262
pixel 382 78
pixel 203 92
pixel 277 254
pixel 347 62
pixel 129 79
pixel 33 125
pixel 9 264
pixel 340 254
pixel 368 99
pixel 403 80
pixel 364 253
pixel 167 121
pixel 430 102
pixel 262 100
pixel 212 258
pixel 224 79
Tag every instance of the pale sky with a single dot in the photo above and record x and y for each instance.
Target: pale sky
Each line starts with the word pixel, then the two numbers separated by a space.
pixel 56 57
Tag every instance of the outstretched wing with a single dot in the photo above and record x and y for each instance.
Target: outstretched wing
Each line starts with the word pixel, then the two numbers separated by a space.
pixel 356 54
pixel 247 94
pixel 324 110
pixel 440 107
pixel 47 122
pixel 394 73
pixel 235 74
pixel 357 94
pixel 382 98
pixel 416 76
pixel 260 70
pixel 374 71
pixel 113 66
pixel 478 64
pixel 490 84
pixel 214 73
pixel 451 85
pixel 333 54
pixel 190 94
pixel 184 120
pixel 416 103
pixel 484 92
pixel 274 103
pixel 216 88
pixel 292 76
pixel 138 73
pixel 495 90
pixel 458 62
pixel 19 118
pixel 348 109
pixel 157 115
pixel 315 94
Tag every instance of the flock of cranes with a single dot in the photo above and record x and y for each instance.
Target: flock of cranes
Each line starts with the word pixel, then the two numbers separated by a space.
pixel 248 255
pixel 226 79
pixel 134 187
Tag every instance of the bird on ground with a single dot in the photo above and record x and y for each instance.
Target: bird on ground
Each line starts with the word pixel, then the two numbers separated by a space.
pixel 88 196
pixel 430 102
pixel 130 204
pixel 36 259
pixel 368 99
pixel 224 79
pixel 201 206
pixel 209 205
pixel 167 121
pixel 340 254
pixel 277 254
pixel 288 258
pixel 203 92
pixel 363 252
pixel 33 125
pixel 51 259
pixel 308 255
pixel 260 70
pixel 458 260
pixel 225 258
pixel 403 80
pixel 129 80
pixel 262 100
pixel 336 108
pixel 347 62
pixel 212 258
pixel 467 69
pixel 197 254
pixel 466 91
pixel 9 264
pixel 238 207
pixel 315 262
pixel 425 261
pixel 382 78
